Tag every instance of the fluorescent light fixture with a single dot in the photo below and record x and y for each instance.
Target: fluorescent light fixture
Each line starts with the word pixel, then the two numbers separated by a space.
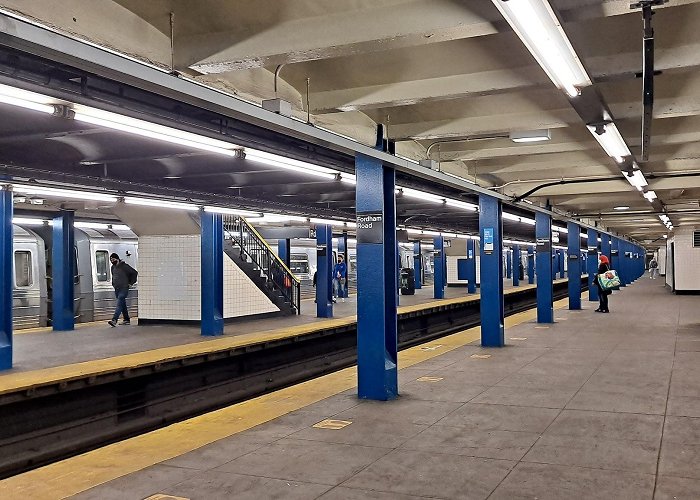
pixel 348 179
pixel 25 99
pixel 538 27
pixel 665 236
pixel 507 216
pixel 610 140
pixel 637 179
pixel 331 222
pixel 27 221
pixel 62 193
pixel 461 204
pixel 91 225
pixel 278 161
pixel 277 218
pixel 410 230
pixel 432 233
pixel 231 211
pixel 421 195
pixel 120 227
pixel 146 202
pixel 650 195
pixel 621 207
pixel 560 229
pixel 144 128
pixel 530 135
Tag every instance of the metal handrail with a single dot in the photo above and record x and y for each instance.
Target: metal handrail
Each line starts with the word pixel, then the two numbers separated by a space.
pixel 278 276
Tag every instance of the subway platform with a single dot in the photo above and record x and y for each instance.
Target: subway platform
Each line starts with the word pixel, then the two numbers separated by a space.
pixel 592 406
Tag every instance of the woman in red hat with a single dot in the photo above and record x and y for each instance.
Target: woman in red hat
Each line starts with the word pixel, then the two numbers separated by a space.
pixel 603 294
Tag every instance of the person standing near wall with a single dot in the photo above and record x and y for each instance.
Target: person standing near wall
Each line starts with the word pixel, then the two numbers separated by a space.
pixel 123 276
pixel 340 272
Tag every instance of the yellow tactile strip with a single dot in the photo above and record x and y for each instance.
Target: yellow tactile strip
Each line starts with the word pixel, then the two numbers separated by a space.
pixel 12 382
pixel 80 473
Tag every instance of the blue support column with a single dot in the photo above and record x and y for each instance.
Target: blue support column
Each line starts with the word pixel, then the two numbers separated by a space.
pixel 212 246
pixel 491 264
pixel 343 250
pixel 516 265
pixel 324 269
pixel 562 271
pixel 377 344
pixel 471 266
pixel 283 251
pixel 530 265
pixel 439 268
pixel 615 257
pixel 605 245
pixel 418 265
pixel 509 263
pixel 545 287
pixel 574 249
pixel 63 272
pixel 6 266
pixel 592 264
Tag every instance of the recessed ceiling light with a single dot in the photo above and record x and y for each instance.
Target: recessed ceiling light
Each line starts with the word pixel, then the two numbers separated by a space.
pixel 621 207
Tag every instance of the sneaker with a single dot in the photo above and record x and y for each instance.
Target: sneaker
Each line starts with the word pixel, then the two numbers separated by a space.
pixel 125 322
pixel 112 323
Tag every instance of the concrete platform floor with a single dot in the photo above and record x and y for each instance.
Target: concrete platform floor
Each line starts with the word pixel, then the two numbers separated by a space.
pixel 593 406
pixel 43 348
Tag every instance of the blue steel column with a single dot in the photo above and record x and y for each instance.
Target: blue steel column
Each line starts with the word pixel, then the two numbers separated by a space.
pixel 418 265
pixel 343 250
pixel 531 265
pixel 471 266
pixel 63 272
pixel 615 257
pixel 6 265
pixel 509 263
pixel 574 249
pixel 283 251
pixel 605 245
pixel 545 287
pixel 377 337
pixel 324 268
pixel 516 265
pixel 439 268
pixel 592 264
pixel 491 270
pixel 212 257
pixel 562 272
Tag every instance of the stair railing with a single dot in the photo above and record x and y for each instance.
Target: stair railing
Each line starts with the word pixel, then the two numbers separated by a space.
pixel 253 246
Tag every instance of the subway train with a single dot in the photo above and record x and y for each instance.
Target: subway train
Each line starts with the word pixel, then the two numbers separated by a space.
pixel 303 261
pixel 94 296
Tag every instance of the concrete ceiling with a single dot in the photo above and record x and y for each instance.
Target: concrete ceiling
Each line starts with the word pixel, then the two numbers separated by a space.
pixel 441 70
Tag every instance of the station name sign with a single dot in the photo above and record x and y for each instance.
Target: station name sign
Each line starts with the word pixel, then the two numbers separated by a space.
pixel 370 227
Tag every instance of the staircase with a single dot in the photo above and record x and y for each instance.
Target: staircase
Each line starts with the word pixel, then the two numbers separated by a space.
pixel 257 260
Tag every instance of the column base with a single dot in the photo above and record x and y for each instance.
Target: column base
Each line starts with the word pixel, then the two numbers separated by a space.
pixel 5 357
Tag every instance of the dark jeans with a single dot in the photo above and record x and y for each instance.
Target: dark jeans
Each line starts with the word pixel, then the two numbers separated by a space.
pixel 603 299
pixel 121 295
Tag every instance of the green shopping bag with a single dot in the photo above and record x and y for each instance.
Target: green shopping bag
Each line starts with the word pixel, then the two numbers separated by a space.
pixel 609 280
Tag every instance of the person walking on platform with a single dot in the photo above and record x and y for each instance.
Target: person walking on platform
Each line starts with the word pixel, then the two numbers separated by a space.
pixel 339 274
pixel 653 269
pixel 123 276
pixel 602 294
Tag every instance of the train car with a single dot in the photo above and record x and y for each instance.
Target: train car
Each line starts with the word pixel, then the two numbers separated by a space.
pixel 94 295
pixel 29 286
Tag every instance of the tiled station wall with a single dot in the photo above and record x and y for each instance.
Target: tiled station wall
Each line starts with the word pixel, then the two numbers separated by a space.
pixel 686 261
pixel 170 279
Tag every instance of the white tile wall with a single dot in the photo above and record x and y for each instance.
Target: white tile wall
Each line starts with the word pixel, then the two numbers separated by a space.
pixel 170 282
pixel 686 260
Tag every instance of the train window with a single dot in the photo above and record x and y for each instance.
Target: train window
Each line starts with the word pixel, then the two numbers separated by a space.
pixel 23 268
pixel 299 263
pixel 102 265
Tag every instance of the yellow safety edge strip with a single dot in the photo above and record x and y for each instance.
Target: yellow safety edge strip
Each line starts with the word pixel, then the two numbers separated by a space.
pixel 74 475
pixel 12 382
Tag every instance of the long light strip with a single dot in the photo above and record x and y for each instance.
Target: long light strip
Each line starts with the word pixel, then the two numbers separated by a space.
pixel 537 25
pixel 146 202
pixel 274 160
pixel 62 193
pixel 231 211
pixel 611 141
pixel 650 195
pixel 26 99
pixel 637 179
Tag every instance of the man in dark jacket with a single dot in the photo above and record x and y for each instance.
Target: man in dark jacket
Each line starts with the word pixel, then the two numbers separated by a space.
pixel 123 276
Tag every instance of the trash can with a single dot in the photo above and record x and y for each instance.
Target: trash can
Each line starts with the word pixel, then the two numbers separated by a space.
pixel 408 281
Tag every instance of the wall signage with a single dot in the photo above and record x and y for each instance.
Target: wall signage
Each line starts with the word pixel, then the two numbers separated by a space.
pixel 370 227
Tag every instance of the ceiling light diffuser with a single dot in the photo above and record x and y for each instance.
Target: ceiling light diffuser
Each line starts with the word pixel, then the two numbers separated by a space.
pixel 538 27
pixel 610 140
pixel 530 136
